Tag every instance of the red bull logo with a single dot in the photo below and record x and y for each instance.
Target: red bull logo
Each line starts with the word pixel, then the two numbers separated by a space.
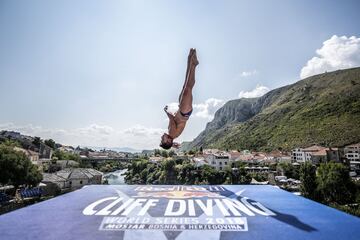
pixel 179 194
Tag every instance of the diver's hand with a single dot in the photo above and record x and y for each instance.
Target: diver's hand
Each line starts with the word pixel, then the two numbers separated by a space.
pixel 171 116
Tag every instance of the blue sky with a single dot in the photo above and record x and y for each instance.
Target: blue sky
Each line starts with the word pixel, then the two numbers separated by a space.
pixel 100 72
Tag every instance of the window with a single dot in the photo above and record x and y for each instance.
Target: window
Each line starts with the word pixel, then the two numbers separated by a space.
pixel 70 182
pixel 220 168
pixel 80 182
pixel 225 163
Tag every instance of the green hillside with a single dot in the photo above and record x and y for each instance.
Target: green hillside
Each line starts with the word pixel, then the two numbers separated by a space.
pixel 322 109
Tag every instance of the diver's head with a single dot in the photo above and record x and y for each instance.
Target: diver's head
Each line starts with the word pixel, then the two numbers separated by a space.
pixel 166 141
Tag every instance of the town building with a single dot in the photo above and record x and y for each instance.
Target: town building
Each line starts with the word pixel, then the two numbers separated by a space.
pixel 45 151
pixel 69 149
pixel 31 155
pixel 278 156
pixel 53 178
pixel 199 161
pixel 316 154
pixel 245 156
pixel 352 154
pixel 254 157
pixel 234 155
pixel 73 178
pixel 259 157
pixel 298 155
pixel 218 160
pixel 210 151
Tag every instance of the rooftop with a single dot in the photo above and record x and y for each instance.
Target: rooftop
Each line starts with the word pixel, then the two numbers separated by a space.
pixel 314 148
pixel 72 173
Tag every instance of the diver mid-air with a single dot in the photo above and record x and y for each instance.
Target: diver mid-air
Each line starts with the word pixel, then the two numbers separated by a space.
pixel 177 121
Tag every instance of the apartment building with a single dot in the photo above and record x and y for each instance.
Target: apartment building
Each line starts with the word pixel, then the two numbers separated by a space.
pixel 316 154
pixel 352 153
pixel 218 160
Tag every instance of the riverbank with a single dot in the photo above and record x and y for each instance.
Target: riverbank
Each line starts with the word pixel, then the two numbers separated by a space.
pixel 116 177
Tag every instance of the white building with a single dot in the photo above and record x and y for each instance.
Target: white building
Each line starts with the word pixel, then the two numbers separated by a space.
pixel 199 161
pixel 219 160
pixel 298 155
pixel 315 154
pixel 352 153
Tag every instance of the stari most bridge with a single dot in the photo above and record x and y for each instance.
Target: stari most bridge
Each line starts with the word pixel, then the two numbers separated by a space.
pixel 179 212
pixel 101 159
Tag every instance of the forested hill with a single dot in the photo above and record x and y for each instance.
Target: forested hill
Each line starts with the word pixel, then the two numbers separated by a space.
pixel 322 109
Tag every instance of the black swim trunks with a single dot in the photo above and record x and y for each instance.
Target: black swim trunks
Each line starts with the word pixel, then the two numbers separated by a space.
pixel 187 115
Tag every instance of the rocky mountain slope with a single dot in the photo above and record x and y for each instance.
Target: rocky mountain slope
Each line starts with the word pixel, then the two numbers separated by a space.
pixel 322 109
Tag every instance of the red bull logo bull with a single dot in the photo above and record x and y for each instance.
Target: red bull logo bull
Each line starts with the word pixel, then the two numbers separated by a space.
pixel 179 194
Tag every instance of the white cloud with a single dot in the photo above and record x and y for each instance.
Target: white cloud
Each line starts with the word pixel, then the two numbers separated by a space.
pixel 96 129
pixel 336 53
pixel 208 108
pixel 248 73
pixel 138 137
pixel 257 92
pixel 139 130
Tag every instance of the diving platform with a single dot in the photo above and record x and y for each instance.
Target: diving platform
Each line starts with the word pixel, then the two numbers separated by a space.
pixel 179 212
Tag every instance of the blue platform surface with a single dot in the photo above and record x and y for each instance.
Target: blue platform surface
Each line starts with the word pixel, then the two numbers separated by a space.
pixel 179 212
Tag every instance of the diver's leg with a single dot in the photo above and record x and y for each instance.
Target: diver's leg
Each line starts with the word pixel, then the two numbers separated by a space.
pixel 186 99
pixel 187 72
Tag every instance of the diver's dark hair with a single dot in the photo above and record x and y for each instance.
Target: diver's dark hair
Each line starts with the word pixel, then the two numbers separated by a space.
pixel 166 145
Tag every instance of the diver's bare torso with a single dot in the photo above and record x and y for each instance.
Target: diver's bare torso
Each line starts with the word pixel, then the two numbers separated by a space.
pixel 177 125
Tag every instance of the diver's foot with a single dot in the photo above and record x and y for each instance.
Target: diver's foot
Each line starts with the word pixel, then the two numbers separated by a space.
pixel 193 60
pixel 190 56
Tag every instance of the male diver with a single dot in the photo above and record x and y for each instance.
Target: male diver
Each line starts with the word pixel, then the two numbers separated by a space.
pixel 177 121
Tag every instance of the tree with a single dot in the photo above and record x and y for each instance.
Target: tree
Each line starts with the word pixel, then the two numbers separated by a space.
pixel 169 173
pixel 335 184
pixel 239 175
pixel 157 152
pixel 210 175
pixel 51 143
pixel 171 153
pixel 289 170
pixel 62 155
pixel 11 143
pixel 308 181
pixel 37 141
pixel 16 168
pixel 164 154
pixel 191 152
pixel 186 173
